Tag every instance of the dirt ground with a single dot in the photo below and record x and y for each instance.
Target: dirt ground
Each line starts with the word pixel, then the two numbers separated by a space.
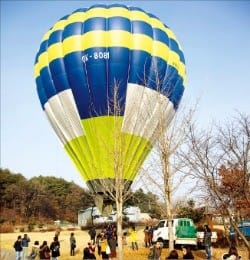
pixel 7 251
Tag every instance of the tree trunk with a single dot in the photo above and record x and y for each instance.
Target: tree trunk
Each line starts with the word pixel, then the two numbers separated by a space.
pixel 170 223
pixel 171 234
pixel 165 161
pixel 119 229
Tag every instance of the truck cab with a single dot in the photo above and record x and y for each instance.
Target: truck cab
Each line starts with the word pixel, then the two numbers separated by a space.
pixel 184 232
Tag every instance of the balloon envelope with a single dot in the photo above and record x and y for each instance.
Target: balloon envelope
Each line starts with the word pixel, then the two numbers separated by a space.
pixel 109 77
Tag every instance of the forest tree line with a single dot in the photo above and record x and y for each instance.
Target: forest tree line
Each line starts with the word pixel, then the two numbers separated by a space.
pixel 45 198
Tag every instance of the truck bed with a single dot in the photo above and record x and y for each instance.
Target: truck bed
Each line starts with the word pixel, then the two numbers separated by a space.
pixel 186 241
pixel 200 236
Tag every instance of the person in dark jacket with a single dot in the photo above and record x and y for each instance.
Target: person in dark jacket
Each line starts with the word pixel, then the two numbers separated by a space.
pixel 18 248
pixel 89 252
pixel 92 235
pixel 55 248
pixel 207 241
pixel 112 244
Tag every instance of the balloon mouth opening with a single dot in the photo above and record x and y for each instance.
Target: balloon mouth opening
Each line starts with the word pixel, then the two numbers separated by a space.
pixel 107 187
pixel 105 193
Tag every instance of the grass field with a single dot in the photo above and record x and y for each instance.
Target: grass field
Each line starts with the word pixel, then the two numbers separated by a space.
pixel 82 237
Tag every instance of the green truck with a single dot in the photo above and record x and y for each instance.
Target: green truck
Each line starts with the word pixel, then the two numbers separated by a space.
pixel 184 232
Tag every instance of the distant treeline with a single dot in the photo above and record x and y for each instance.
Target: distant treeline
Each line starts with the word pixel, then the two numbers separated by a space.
pixel 43 199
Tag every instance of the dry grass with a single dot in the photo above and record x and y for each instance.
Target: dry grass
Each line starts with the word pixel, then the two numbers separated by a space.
pixel 8 239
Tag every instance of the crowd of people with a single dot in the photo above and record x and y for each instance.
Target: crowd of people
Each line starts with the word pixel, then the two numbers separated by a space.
pixel 43 251
pixel 148 236
pixel 104 243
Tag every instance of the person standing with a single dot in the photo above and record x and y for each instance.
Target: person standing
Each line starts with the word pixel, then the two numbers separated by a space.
pixel 72 242
pixel 55 249
pixel 35 251
pixel 150 235
pixel 57 233
pixel 133 238
pixel 104 246
pixel 18 248
pixel 112 244
pixel 25 246
pixel 92 235
pixel 146 236
pixel 98 237
pixel 44 252
pixel 207 241
pixel 155 252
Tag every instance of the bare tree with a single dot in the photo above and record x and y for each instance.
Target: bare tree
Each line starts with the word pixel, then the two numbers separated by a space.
pixel 164 171
pixel 205 155
pixel 148 118
pixel 122 160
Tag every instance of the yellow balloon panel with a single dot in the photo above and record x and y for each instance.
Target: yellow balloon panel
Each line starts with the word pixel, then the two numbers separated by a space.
pixel 105 151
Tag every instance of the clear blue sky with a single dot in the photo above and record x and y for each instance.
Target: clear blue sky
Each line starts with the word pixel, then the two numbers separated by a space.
pixel 215 37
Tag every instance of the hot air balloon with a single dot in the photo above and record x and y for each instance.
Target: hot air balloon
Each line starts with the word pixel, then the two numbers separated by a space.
pixel 105 73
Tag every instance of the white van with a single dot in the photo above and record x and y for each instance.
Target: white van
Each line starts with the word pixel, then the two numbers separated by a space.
pixel 184 232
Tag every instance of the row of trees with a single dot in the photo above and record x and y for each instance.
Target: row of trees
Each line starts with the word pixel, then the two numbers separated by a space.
pixel 217 161
pixel 42 199
pixel 51 198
